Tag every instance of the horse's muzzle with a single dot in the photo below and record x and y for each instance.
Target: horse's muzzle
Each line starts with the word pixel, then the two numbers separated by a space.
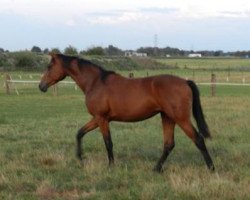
pixel 43 86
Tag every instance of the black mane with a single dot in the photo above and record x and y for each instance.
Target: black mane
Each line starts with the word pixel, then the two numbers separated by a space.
pixel 83 62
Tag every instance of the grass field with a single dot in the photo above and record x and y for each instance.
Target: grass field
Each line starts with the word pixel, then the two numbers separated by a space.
pixel 208 63
pixel 37 150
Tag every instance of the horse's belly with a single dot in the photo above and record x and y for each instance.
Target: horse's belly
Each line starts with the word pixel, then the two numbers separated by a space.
pixel 132 118
pixel 133 113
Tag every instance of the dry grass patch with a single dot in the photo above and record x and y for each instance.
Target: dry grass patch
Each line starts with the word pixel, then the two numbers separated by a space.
pixel 47 191
pixel 51 159
pixel 201 184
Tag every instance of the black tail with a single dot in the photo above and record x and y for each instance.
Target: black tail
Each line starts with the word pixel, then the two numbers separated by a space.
pixel 197 111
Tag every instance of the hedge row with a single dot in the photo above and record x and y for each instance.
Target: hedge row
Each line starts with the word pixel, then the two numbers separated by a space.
pixel 27 60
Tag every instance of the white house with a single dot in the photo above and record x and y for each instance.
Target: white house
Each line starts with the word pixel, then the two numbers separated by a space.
pixel 194 55
pixel 134 53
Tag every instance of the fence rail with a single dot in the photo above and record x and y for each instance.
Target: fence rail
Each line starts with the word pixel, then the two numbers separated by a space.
pixel 198 83
pixel 224 84
pixel 27 81
pixel 10 84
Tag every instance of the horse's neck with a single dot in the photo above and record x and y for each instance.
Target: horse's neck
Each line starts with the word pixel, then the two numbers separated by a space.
pixel 84 77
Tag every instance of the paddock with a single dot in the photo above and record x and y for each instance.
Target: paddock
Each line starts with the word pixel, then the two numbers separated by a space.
pixel 38 145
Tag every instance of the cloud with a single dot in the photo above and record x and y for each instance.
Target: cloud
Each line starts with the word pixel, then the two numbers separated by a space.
pixel 159 10
pixel 96 11
pixel 70 22
pixel 116 18
pixel 216 9
pixel 234 14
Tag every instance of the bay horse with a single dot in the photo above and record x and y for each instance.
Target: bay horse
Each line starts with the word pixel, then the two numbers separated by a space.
pixel 112 97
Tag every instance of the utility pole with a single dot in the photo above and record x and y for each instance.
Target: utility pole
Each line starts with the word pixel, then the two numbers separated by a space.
pixel 155 44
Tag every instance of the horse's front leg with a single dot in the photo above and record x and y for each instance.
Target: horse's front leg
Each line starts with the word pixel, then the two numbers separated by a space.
pixel 91 125
pixel 104 127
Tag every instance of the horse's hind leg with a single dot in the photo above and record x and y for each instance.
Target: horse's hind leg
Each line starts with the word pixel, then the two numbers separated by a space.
pixel 191 132
pixel 104 127
pixel 168 140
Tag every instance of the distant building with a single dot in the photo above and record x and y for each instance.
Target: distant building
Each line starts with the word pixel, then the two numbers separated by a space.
pixel 194 55
pixel 168 55
pixel 134 53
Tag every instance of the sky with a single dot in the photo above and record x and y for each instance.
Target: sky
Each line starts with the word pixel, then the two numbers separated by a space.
pixel 127 24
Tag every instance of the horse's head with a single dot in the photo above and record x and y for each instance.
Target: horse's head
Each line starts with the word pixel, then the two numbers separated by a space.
pixel 55 72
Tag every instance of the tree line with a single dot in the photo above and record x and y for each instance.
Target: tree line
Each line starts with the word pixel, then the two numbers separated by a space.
pixel 71 50
pixel 36 59
pixel 150 51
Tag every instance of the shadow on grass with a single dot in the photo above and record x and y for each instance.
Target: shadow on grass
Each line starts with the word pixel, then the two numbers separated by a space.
pixel 180 156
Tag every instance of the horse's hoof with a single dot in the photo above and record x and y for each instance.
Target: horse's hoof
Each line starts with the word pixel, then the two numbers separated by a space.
pixel 158 169
pixel 111 164
pixel 79 155
pixel 211 168
pixel 80 163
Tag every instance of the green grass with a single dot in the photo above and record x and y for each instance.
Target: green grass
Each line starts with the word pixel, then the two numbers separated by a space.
pixel 208 63
pixel 37 150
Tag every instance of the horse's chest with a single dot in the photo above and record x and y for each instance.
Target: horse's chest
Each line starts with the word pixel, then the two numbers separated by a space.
pixel 96 105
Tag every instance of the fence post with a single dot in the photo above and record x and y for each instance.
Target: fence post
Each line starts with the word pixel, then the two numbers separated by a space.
pixel 55 90
pixel 193 75
pixel 7 83
pixel 229 71
pixel 131 75
pixel 213 84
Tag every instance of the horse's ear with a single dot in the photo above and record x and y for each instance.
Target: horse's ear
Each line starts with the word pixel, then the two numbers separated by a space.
pixel 53 57
pixel 52 54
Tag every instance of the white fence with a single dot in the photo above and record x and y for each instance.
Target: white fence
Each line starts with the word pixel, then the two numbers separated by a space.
pixel 10 84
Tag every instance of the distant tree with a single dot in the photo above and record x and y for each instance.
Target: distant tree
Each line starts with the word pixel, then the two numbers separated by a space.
pixel 82 52
pixel 206 53
pixel 70 50
pixel 3 59
pixel 36 49
pixel 1 50
pixel 55 50
pixel 148 50
pixel 46 51
pixel 245 54
pixel 218 53
pixel 182 53
pixel 24 60
pixel 113 51
pixel 95 51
